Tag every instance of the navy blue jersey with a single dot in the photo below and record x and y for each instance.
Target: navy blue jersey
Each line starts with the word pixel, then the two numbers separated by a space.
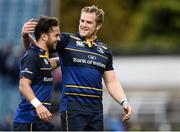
pixel 83 66
pixel 35 66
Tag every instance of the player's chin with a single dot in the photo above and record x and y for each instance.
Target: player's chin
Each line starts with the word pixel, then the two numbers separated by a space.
pixel 52 48
pixel 83 33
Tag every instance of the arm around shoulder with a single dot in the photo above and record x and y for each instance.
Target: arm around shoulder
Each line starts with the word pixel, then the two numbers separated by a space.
pixel 28 28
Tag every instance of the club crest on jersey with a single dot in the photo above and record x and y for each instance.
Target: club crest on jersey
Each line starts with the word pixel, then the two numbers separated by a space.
pixel 79 43
pixel 46 61
pixel 100 50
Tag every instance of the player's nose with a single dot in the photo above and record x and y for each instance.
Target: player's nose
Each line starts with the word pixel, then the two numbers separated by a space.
pixel 58 38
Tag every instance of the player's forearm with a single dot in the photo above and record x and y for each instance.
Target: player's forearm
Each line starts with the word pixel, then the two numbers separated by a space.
pixel 27 40
pixel 116 91
pixel 28 27
pixel 28 93
pixel 26 90
pixel 113 85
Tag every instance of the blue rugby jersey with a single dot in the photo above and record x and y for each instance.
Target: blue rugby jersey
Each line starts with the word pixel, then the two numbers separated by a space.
pixel 83 66
pixel 35 66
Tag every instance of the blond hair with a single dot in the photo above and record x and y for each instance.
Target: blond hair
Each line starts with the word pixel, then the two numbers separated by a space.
pixel 94 9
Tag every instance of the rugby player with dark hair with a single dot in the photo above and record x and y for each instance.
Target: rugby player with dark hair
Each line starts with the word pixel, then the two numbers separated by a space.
pixel 85 61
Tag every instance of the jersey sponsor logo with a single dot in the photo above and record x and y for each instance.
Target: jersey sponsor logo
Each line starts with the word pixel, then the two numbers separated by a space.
pixel 100 50
pixel 92 57
pixel 88 62
pixel 79 43
pixel 79 60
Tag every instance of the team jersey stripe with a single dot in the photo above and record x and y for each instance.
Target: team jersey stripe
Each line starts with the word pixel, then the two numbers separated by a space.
pixel 45 68
pixel 44 56
pixel 86 52
pixel 67 126
pixel 31 127
pixel 75 37
pixel 84 87
pixel 84 95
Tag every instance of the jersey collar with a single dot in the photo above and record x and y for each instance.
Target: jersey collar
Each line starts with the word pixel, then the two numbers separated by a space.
pixel 89 43
pixel 34 46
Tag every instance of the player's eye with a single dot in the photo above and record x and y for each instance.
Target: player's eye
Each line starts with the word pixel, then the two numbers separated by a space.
pixel 82 21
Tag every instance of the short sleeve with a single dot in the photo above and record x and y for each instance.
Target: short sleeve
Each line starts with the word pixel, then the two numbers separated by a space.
pixel 29 66
pixel 63 42
pixel 109 65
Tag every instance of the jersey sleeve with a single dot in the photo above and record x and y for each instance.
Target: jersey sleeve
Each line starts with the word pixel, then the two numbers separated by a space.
pixel 109 65
pixel 63 42
pixel 29 66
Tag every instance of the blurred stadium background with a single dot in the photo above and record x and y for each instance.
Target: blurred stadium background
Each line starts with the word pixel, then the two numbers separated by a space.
pixel 144 38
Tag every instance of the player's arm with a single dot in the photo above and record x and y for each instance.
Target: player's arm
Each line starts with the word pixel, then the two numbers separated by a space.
pixel 28 28
pixel 55 62
pixel 28 71
pixel 28 93
pixel 116 91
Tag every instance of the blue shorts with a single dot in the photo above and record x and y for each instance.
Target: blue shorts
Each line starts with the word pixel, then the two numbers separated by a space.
pixel 81 121
pixel 36 125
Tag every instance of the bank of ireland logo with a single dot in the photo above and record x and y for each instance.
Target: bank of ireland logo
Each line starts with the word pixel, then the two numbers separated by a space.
pixel 100 50
pixel 79 43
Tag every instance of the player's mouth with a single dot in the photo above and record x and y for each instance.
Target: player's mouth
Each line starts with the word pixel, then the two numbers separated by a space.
pixel 84 29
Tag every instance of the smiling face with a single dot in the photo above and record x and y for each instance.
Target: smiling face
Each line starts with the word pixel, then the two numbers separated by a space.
pixel 88 27
pixel 53 37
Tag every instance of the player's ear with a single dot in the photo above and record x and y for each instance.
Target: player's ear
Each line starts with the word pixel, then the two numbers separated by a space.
pixel 44 37
pixel 98 27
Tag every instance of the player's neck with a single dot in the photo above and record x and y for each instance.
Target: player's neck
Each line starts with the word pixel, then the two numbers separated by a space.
pixel 91 39
pixel 42 45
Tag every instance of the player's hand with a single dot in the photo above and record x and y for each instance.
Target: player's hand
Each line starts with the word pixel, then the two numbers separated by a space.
pixel 43 113
pixel 128 110
pixel 55 62
pixel 28 27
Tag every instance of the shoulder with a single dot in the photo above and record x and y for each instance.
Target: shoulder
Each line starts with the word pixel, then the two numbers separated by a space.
pixel 70 36
pixel 65 37
pixel 104 49
pixel 103 45
pixel 30 54
pixel 65 34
